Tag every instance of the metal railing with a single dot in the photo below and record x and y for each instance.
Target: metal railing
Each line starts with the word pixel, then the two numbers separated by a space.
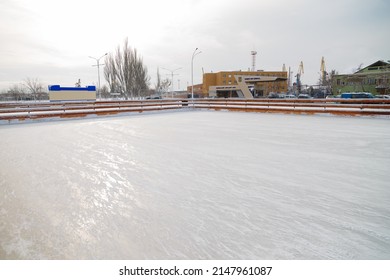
pixel 38 110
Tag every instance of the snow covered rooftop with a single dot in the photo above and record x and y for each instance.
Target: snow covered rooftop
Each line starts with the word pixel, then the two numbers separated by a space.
pixel 196 185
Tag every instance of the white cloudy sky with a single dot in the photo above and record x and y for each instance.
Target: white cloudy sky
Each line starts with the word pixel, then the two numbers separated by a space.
pixel 51 40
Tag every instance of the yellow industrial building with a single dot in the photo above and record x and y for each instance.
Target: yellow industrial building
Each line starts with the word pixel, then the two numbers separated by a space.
pixel 244 84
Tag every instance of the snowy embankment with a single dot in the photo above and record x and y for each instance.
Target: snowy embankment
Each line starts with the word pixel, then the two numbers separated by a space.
pixel 196 185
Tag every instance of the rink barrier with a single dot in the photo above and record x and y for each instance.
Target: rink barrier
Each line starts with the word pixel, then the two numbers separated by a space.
pixel 353 107
pixel 38 110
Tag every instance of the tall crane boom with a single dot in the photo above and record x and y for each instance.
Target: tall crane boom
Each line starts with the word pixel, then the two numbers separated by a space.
pixel 323 72
pixel 300 69
pixel 299 74
pixel 253 53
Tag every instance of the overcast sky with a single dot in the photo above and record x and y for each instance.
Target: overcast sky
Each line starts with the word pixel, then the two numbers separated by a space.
pixel 52 40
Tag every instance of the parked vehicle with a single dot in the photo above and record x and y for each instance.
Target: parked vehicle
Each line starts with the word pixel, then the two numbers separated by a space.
pixel 353 95
pixel 303 96
pixel 290 96
pixel 153 97
pixel 273 95
pixel 383 96
pixel 333 96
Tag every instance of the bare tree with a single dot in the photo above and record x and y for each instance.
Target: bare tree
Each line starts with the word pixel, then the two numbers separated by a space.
pixel 105 92
pixel 358 68
pixel 35 87
pixel 126 73
pixel 162 86
pixel 16 92
pixel 357 81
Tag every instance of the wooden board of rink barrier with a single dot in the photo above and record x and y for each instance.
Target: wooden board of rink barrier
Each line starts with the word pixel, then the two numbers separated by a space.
pixel 289 110
pixel 39 110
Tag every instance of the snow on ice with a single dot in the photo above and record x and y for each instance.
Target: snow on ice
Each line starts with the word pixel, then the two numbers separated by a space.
pixel 196 185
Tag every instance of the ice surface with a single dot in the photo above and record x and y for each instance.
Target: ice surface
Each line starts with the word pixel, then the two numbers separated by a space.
pixel 196 185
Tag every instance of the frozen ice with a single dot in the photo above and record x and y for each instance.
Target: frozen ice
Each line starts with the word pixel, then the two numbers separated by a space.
pixel 196 185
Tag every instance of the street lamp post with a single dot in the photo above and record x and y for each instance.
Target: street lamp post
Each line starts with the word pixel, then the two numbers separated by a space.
pixel 172 76
pixel 98 67
pixel 192 71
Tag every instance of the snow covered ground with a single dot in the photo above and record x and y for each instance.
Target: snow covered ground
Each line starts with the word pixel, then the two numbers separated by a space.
pixel 196 185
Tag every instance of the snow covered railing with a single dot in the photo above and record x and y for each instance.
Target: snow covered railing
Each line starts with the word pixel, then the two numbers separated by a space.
pixel 37 110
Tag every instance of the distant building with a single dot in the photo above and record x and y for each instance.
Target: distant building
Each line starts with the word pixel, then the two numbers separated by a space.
pixel 58 93
pixel 244 84
pixel 198 91
pixel 374 78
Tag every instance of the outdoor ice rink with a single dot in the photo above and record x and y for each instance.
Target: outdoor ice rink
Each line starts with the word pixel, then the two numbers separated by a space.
pixel 196 185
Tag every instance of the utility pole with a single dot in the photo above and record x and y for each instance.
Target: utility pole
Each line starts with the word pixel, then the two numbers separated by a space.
pixel 172 71
pixel 192 71
pixel 98 65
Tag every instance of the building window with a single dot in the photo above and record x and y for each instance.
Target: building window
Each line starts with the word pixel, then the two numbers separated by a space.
pixel 338 82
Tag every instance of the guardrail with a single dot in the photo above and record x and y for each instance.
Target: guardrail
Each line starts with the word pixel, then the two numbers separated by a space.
pixel 37 110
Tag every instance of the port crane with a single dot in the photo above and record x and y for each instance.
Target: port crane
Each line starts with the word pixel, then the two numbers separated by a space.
pixel 323 72
pixel 299 74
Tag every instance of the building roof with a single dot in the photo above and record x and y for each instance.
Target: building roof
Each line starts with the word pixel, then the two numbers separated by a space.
pixel 380 65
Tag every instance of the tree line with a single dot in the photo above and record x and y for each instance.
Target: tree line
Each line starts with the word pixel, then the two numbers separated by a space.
pixel 28 89
pixel 124 71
